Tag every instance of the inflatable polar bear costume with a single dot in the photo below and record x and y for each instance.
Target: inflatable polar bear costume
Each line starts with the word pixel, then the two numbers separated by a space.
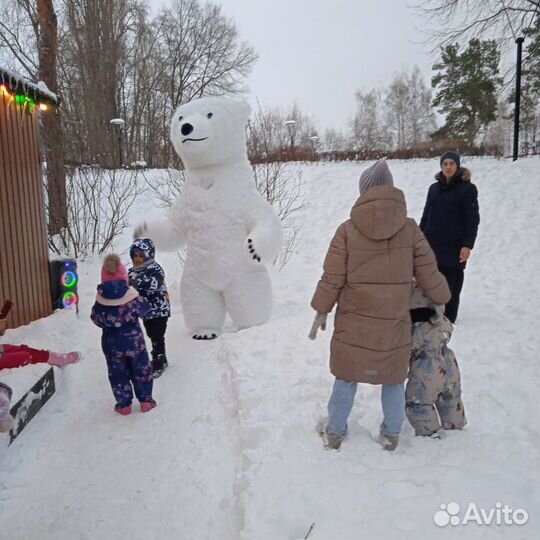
pixel 229 229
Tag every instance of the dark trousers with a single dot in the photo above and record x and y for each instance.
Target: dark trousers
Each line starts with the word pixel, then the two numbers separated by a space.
pixel 454 276
pixel 155 329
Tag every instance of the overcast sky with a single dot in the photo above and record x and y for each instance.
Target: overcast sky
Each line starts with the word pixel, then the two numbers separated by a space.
pixel 319 52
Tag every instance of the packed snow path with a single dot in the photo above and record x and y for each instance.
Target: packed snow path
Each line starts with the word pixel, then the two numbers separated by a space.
pixel 231 451
pixel 87 473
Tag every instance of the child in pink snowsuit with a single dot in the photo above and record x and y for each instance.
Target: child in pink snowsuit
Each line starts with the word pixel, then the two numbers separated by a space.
pixel 117 311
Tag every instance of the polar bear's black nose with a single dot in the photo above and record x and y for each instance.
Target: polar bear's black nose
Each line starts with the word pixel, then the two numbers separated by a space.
pixel 186 129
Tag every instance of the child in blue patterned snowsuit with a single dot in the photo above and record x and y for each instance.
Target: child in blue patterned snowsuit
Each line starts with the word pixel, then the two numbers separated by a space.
pixel 148 278
pixel 433 392
pixel 117 310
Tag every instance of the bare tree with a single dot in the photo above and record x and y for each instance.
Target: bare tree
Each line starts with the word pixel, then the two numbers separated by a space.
pixel 368 126
pixel 52 124
pixel 19 34
pixel 166 189
pixel 408 109
pixel 335 141
pixel 98 203
pixel 421 116
pixel 275 134
pixel 140 101
pixel 397 107
pixel 284 190
pixel 202 54
pixel 458 20
pixel 117 61
pixel 266 133
pixel 499 133
pixel 94 53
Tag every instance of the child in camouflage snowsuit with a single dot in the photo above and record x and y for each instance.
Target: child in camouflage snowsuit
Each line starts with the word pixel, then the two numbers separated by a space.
pixel 117 310
pixel 147 276
pixel 433 392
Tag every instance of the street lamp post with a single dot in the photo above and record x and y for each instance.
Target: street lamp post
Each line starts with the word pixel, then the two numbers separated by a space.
pixel 291 126
pixel 519 42
pixel 118 125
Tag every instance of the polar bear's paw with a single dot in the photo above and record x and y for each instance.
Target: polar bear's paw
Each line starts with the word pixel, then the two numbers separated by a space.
pixel 206 334
pixel 252 251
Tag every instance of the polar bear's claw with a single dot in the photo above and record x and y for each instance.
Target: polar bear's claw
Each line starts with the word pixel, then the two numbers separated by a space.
pixel 205 336
pixel 252 251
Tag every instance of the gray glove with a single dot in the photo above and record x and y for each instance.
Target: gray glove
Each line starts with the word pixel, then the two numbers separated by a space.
pixel 439 314
pixel 319 322
pixel 140 230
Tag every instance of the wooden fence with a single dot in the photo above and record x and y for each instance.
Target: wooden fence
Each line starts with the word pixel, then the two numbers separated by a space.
pixel 24 265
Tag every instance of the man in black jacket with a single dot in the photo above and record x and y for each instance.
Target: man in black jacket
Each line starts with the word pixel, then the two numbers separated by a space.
pixel 450 223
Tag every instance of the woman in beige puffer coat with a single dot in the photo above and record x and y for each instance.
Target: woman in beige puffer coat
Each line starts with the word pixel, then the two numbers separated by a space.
pixel 368 271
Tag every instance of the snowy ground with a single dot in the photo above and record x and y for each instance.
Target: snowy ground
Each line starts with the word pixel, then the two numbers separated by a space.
pixel 231 452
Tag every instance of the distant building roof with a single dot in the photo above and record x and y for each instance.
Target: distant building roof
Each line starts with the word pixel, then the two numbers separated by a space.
pixel 20 85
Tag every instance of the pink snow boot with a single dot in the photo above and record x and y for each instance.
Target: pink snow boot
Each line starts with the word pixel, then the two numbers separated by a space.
pixel 148 405
pixel 60 360
pixel 124 411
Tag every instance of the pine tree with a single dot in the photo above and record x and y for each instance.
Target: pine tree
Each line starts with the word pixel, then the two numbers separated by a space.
pixel 466 86
pixel 530 100
pixel 532 58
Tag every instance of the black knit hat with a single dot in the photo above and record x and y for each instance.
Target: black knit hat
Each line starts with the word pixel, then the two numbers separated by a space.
pixel 454 156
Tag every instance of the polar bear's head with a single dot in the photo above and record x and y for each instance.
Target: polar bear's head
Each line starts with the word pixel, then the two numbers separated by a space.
pixel 210 131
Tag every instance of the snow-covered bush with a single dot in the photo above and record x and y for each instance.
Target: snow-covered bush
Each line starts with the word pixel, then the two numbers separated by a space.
pixel 98 201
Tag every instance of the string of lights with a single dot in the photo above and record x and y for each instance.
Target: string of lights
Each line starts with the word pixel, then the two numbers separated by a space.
pixel 15 89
